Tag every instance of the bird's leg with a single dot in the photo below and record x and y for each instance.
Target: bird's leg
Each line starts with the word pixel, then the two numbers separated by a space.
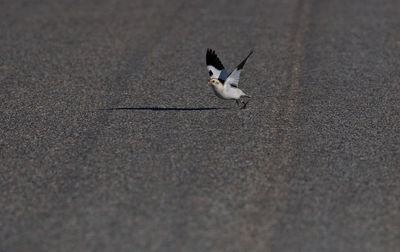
pixel 239 102
pixel 244 103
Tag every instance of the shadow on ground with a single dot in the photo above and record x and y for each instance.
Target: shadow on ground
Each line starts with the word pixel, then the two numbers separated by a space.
pixel 166 109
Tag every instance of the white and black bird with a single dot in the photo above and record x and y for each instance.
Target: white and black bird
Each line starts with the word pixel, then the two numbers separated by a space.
pixel 225 85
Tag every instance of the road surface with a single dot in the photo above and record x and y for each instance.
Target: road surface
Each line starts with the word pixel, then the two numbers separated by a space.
pixel 111 139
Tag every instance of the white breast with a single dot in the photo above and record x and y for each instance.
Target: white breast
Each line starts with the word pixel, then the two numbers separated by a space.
pixel 227 93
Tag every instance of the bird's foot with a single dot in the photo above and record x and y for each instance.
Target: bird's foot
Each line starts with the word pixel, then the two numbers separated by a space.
pixel 242 104
pixel 239 103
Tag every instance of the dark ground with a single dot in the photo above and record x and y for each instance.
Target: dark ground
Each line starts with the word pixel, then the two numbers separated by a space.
pixel 313 164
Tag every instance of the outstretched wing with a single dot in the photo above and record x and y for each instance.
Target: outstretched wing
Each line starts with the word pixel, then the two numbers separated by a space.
pixel 233 78
pixel 215 68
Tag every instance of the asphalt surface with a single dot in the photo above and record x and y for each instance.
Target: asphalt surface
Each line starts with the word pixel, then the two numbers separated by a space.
pixel 111 139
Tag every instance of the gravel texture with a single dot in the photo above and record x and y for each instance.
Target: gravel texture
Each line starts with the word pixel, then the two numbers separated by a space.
pixel 111 139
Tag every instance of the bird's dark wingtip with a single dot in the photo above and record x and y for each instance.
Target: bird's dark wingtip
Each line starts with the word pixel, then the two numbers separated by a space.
pixel 240 66
pixel 213 60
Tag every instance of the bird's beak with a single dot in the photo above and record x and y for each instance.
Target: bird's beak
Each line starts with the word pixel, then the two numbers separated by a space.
pixel 209 82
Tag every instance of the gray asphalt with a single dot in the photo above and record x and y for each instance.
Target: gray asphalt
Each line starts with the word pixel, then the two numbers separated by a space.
pixel 111 139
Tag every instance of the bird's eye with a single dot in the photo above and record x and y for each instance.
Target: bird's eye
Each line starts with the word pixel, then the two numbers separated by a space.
pixel 210 73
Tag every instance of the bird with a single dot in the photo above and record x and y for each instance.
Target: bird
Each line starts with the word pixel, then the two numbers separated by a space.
pixel 224 85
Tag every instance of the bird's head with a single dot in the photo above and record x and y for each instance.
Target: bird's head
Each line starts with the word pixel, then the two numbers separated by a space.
pixel 214 82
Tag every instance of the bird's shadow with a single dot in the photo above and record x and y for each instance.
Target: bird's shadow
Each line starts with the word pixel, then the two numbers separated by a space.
pixel 165 109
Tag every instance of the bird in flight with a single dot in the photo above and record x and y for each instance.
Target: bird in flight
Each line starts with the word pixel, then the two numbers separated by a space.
pixel 226 86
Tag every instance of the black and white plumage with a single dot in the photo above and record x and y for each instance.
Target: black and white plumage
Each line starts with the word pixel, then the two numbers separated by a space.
pixel 225 85
pixel 215 68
